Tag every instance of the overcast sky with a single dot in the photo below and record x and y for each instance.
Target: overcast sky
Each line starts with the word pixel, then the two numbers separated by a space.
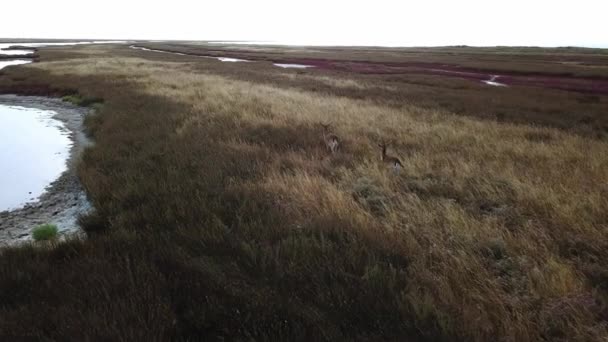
pixel 373 22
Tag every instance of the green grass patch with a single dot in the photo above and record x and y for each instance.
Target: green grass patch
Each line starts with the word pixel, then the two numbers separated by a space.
pixel 79 100
pixel 45 232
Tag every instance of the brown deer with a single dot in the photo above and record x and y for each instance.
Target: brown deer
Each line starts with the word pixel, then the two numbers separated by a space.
pixel 390 161
pixel 330 139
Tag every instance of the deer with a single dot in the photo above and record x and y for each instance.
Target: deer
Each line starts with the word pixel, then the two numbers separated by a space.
pixel 330 139
pixel 390 161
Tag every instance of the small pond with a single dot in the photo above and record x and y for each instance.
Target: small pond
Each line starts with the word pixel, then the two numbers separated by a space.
pixel 34 148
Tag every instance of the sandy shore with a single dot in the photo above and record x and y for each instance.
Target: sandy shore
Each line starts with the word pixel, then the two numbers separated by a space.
pixel 64 199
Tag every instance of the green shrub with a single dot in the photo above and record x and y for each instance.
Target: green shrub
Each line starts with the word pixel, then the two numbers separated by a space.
pixel 45 232
pixel 97 106
pixel 83 101
pixel 73 99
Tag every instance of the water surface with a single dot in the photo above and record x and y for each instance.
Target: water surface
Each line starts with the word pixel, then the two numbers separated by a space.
pixel 43 44
pixel 492 82
pixel 4 64
pixel 222 59
pixel 4 46
pixel 296 66
pixel 153 50
pixel 34 148
pixel 229 59
pixel 13 52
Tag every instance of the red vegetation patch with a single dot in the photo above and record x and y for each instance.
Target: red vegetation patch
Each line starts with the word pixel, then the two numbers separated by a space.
pixel 564 82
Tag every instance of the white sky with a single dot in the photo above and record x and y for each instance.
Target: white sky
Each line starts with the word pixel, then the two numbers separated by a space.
pixel 372 22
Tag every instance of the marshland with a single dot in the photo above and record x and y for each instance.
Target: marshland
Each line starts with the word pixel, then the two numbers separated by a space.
pixel 222 209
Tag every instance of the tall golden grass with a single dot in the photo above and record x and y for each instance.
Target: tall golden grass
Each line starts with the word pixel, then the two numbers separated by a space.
pixel 491 231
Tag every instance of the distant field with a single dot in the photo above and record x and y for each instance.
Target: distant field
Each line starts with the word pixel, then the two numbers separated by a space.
pixel 558 61
pixel 564 88
pixel 221 214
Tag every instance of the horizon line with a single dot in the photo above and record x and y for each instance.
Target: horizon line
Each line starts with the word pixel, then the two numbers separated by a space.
pixel 318 44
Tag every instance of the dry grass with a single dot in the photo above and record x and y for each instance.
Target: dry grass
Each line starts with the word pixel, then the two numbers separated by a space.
pixel 219 201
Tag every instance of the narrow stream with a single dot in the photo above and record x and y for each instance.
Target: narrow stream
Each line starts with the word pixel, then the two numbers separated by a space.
pixel 161 51
pixel 230 59
pixel 492 82
pixel 295 66
pixel 222 59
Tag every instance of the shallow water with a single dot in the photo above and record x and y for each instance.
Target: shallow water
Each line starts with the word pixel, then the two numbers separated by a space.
pixel 4 64
pixel 492 82
pixel 34 148
pixel 243 42
pixel 223 59
pixel 24 53
pixel 296 66
pixel 229 59
pixel 43 44
pixel 496 84
pixel 161 51
pixel 13 52
pixel 3 46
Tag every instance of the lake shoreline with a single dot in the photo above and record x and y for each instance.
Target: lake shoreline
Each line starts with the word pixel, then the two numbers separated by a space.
pixel 64 199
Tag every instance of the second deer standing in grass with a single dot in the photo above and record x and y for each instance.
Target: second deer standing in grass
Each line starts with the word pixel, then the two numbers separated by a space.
pixel 330 139
pixel 388 160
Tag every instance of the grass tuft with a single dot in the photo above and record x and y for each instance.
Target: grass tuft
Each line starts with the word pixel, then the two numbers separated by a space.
pixel 45 232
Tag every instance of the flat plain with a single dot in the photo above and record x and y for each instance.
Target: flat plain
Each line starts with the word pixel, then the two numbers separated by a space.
pixel 221 214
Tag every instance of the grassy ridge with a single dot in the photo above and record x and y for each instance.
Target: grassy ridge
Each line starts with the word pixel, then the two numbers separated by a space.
pixel 220 214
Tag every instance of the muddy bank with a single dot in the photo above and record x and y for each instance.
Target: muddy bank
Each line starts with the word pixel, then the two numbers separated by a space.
pixel 64 199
